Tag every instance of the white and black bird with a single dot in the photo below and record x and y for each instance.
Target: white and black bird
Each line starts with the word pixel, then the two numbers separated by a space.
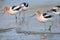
pixel 55 10
pixel 13 10
pixel 24 7
pixel 43 17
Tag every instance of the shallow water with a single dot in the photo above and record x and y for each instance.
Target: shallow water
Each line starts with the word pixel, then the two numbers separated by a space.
pixel 31 24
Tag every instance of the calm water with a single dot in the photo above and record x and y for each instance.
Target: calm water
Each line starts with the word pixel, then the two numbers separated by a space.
pixel 7 22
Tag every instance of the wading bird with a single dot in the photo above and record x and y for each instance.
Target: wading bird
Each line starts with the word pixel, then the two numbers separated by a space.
pixel 13 10
pixel 24 7
pixel 55 10
pixel 43 17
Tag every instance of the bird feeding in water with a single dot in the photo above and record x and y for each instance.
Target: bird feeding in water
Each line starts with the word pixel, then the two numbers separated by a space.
pixel 13 10
pixel 24 7
pixel 43 17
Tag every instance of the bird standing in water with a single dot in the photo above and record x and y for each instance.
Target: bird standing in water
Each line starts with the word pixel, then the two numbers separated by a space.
pixel 24 7
pixel 13 10
pixel 43 17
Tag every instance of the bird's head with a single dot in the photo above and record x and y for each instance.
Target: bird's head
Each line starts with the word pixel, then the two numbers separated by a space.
pixel 24 4
pixel 38 13
pixel 6 8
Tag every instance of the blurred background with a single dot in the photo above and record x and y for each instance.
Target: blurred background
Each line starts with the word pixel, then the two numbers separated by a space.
pixel 10 30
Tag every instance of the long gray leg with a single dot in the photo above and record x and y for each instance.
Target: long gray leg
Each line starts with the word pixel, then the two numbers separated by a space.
pixel 19 14
pixel 44 25
pixel 50 26
pixel 23 18
pixel 16 18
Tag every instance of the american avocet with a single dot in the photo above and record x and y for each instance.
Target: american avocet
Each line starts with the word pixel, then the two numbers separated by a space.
pixel 13 10
pixel 24 7
pixel 55 10
pixel 43 17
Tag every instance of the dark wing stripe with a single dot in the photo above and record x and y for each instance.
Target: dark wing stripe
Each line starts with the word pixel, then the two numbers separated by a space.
pixel 13 7
pixel 44 14
pixel 58 6
pixel 17 9
pixel 49 16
